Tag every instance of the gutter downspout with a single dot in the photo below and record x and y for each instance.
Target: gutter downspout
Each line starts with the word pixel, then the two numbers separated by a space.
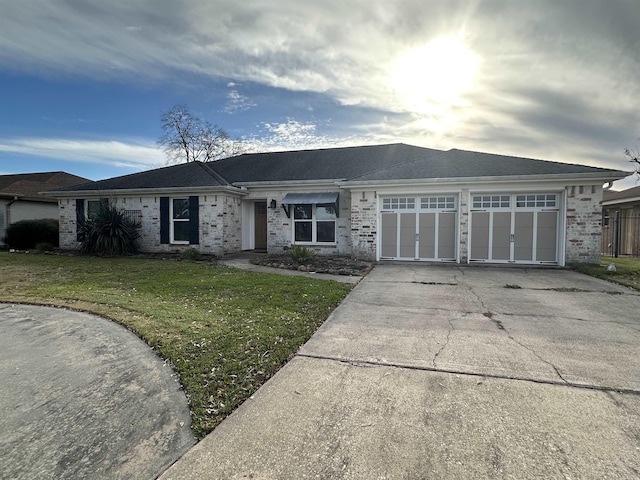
pixel 7 215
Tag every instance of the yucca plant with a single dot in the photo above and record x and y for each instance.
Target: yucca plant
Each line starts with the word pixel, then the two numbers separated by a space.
pixel 302 255
pixel 109 232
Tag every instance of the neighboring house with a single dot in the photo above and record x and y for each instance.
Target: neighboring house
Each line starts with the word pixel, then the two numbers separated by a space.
pixel 383 202
pixel 21 199
pixel 621 222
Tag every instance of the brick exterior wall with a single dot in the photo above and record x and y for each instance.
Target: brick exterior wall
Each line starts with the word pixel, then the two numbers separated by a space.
pixel 364 224
pixel 584 218
pixel 356 228
pixel 463 213
pixel 280 227
pixel 219 223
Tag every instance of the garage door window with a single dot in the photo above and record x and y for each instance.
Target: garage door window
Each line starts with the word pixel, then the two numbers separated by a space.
pixel 441 203
pixel 399 203
pixel 491 201
pixel 536 201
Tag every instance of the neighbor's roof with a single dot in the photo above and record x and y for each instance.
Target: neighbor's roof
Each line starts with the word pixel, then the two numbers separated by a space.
pixel 29 185
pixel 623 196
pixel 373 163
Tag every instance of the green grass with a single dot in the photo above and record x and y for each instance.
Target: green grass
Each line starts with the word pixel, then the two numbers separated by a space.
pixel 225 331
pixel 627 271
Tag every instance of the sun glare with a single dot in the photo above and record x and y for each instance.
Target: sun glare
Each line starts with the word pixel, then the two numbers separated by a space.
pixel 436 75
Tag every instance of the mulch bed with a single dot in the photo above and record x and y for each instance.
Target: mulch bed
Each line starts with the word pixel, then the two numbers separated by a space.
pixel 333 265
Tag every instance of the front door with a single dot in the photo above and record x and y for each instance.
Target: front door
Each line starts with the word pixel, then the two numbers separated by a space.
pixel 260 226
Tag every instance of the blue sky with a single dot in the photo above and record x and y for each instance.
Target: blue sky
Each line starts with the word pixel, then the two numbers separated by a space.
pixel 83 83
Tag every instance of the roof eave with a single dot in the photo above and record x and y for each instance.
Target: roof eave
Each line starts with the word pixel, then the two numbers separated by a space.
pixel 566 178
pixel 289 183
pixel 147 191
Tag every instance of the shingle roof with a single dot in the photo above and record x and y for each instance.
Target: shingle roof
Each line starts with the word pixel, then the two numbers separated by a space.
pixel 192 174
pixel 31 184
pixel 321 164
pixel 365 163
pixel 462 163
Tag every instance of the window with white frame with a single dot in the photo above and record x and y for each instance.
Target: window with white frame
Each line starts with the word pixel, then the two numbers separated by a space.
pixel 179 216
pixel 314 223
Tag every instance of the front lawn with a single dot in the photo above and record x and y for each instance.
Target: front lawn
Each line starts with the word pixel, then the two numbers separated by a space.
pixel 225 331
pixel 627 270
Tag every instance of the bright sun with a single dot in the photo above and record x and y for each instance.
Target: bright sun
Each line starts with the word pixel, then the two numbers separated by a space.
pixel 436 75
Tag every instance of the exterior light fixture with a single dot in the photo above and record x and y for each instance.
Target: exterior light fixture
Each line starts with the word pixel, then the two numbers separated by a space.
pixel 273 203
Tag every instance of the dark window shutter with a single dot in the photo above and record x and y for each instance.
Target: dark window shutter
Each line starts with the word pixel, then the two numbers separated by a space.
pixel 79 218
pixel 194 220
pixel 164 220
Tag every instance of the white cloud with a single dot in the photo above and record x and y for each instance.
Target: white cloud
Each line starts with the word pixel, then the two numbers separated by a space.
pixel 293 135
pixel 237 102
pixel 114 153
pixel 548 74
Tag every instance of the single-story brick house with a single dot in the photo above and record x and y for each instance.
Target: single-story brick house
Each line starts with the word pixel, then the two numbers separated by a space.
pixel 380 202
pixel 21 197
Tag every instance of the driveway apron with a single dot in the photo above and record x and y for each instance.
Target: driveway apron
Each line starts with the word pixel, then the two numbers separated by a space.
pixel 83 397
pixel 436 371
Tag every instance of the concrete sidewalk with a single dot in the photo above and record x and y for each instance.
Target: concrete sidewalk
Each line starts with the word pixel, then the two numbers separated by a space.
pixel 83 397
pixel 448 372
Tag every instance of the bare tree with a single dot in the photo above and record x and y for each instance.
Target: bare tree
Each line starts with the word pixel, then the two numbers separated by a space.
pixel 187 138
pixel 633 155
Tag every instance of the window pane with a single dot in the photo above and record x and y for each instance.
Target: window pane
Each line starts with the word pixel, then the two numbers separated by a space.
pixel 93 207
pixel 325 213
pixel 180 231
pixel 303 232
pixel 302 212
pixel 181 208
pixel 326 231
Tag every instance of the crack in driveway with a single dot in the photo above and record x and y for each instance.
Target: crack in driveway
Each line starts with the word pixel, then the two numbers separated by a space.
pixel 382 363
pixel 451 328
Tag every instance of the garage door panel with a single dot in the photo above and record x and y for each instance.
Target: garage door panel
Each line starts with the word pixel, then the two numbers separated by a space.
pixel 516 227
pixel 480 236
pixel 389 240
pixel 407 235
pixel 523 236
pixel 501 248
pixel 447 235
pixel 546 239
pixel 427 235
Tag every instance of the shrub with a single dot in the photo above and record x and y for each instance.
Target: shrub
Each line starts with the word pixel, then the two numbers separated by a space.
pixel 302 255
pixel 26 234
pixel 110 232
pixel 44 247
pixel 190 254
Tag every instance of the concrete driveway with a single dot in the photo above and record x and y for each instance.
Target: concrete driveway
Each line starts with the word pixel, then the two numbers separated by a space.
pixel 429 372
pixel 83 397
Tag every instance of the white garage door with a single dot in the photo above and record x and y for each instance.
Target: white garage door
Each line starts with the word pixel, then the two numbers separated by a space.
pixel 419 228
pixel 515 228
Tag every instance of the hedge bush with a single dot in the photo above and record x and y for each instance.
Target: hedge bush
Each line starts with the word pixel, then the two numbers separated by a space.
pixel 26 234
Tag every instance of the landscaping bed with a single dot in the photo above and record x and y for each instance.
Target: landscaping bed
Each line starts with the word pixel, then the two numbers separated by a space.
pixel 333 265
